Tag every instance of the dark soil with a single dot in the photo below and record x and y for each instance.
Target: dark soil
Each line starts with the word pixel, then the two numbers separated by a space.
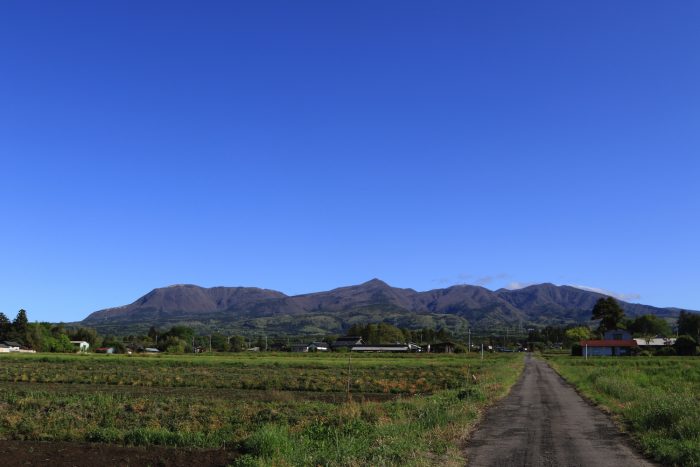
pixel 59 454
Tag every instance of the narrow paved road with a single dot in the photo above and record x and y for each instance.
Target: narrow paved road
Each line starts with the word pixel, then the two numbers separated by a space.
pixel 544 422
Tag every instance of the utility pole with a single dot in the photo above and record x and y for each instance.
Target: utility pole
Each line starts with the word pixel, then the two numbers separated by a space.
pixel 349 360
pixel 469 349
pixel 482 350
pixel 209 343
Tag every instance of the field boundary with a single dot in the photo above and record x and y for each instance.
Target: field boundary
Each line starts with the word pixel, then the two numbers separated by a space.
pixel 618 420
pixel 484 411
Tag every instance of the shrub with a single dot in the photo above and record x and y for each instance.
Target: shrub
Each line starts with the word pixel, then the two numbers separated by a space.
pixel 270 441
pixel 576 350
pixel 667 351
pixel 685 345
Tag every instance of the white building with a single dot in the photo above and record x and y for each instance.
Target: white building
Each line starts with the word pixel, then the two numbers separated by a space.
pixel 655 342
pixel 81 346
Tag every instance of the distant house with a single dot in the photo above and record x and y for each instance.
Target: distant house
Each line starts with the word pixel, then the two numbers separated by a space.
pixel 81 346
pixel 380 348
pixel 347 342
pixel 312 347
pixel 276 347
pixel 319 347
pixel 299 348
pixel 12 346
pixel 615 342
pixel 442 347
pixel 131 348
pixel 108 350
pixel 656 342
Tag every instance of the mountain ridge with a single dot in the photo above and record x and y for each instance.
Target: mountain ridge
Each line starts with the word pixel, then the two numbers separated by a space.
pixel 253 309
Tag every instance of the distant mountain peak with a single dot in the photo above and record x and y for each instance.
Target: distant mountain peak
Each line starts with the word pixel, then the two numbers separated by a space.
pixel 375 282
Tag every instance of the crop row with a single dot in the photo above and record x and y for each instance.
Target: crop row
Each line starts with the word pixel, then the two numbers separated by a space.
pixel 297 375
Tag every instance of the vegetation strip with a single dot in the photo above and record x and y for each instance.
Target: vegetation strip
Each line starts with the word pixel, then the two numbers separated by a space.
pixel 657 400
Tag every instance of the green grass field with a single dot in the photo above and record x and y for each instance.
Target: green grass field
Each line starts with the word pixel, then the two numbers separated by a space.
pixel 273 409
pixel 657 399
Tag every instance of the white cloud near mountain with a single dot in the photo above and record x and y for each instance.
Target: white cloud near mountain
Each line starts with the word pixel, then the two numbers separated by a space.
pixel 516 285
pixel 620 296
pixel 484 280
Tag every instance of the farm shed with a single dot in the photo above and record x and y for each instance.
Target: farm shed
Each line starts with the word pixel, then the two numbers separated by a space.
pixel 81 346
pixel 615 342
pixel 442 347
pixel 347 342
pixel 318 347
pixel 4 348
pixel 12 346
pixel 381 348
pixel 656 342
pixel 299 348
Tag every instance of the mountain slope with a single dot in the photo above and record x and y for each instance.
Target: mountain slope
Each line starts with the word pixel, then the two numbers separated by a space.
pixel 182 301
pixel 249 309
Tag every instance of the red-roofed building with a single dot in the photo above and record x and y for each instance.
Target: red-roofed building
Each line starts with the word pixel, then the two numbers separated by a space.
pixel 614 343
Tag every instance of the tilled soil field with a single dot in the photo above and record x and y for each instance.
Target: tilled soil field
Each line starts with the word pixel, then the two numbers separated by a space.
pixel 60 454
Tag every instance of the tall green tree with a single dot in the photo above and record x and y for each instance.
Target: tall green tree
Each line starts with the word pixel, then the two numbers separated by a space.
pixel 689 323
pixel 237 344
pixel 88 335
pixel 649 326
pixel 19 325
pixel 686 345
pixel 183 332
pixel 219 342
pixel 578 333
pixel 153 333
pixel 609 312
pixel 18 328
pixel 5 325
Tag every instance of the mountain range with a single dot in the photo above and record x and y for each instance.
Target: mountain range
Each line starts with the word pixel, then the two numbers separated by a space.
pixel 251 310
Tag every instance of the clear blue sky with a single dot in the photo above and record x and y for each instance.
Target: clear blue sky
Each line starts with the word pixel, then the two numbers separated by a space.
pixel 302 146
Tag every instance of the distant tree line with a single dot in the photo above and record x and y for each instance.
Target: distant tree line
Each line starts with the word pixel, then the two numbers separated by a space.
pixel 384 333
pixel 45 337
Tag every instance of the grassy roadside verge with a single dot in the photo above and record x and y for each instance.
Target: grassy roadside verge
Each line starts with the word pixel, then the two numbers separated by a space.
pixel 657 399
pixel 67 399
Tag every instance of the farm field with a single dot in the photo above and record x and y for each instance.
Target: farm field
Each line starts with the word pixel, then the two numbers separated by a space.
pixel 261 409
pixel 656 399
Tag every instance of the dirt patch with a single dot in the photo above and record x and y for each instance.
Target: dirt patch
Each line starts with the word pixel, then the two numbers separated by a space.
pixel 60 454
